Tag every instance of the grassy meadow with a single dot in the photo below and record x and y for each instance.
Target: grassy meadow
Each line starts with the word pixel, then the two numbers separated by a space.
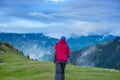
pixel 14 66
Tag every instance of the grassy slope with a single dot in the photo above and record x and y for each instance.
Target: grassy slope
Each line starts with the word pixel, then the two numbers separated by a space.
pixel 17 67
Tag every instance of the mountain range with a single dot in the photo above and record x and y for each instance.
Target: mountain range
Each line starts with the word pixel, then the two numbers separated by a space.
pixel 105 55
pixel 40 47
pixel 94 50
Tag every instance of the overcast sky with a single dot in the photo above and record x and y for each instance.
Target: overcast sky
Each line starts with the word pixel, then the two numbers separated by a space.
pixel 60 17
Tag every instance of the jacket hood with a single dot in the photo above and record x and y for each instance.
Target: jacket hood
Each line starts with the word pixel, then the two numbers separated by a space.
pixel 62 41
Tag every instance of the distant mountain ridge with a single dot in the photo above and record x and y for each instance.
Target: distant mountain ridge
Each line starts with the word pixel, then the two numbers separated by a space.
pixel 105 55
pixel 80 42
pixel 36 45
pixel 40 47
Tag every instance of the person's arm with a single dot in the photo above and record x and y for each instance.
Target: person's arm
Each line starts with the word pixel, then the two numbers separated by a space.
pixel 54 54
pixel 68 51
pixel 54 57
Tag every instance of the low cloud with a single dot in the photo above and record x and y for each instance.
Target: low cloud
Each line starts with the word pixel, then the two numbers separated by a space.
pixel 57 29
pixel 38 53
pixel 82 28
pixel 85 59
pixel 21 23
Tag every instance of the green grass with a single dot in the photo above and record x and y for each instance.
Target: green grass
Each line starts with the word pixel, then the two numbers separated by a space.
pixel 17 67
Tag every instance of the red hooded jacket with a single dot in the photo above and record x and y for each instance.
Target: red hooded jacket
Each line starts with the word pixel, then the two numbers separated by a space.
pixel 62 51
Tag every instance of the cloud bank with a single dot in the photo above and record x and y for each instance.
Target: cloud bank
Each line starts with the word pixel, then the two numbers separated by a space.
pixel 60 17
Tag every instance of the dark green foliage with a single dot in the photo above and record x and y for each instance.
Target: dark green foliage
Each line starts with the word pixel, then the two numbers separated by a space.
pixel 5 47
pixel 1 47
pixel 8 45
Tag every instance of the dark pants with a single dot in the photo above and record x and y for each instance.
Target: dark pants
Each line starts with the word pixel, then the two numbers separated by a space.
pixel 60 70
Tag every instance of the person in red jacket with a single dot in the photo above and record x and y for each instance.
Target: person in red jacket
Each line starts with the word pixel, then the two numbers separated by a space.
pixel 62 52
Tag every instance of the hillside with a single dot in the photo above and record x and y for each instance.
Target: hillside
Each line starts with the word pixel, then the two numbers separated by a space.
pixel 14 66
pixel 105 55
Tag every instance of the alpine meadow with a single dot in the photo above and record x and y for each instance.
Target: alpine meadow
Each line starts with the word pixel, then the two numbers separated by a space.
pixel 15 66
